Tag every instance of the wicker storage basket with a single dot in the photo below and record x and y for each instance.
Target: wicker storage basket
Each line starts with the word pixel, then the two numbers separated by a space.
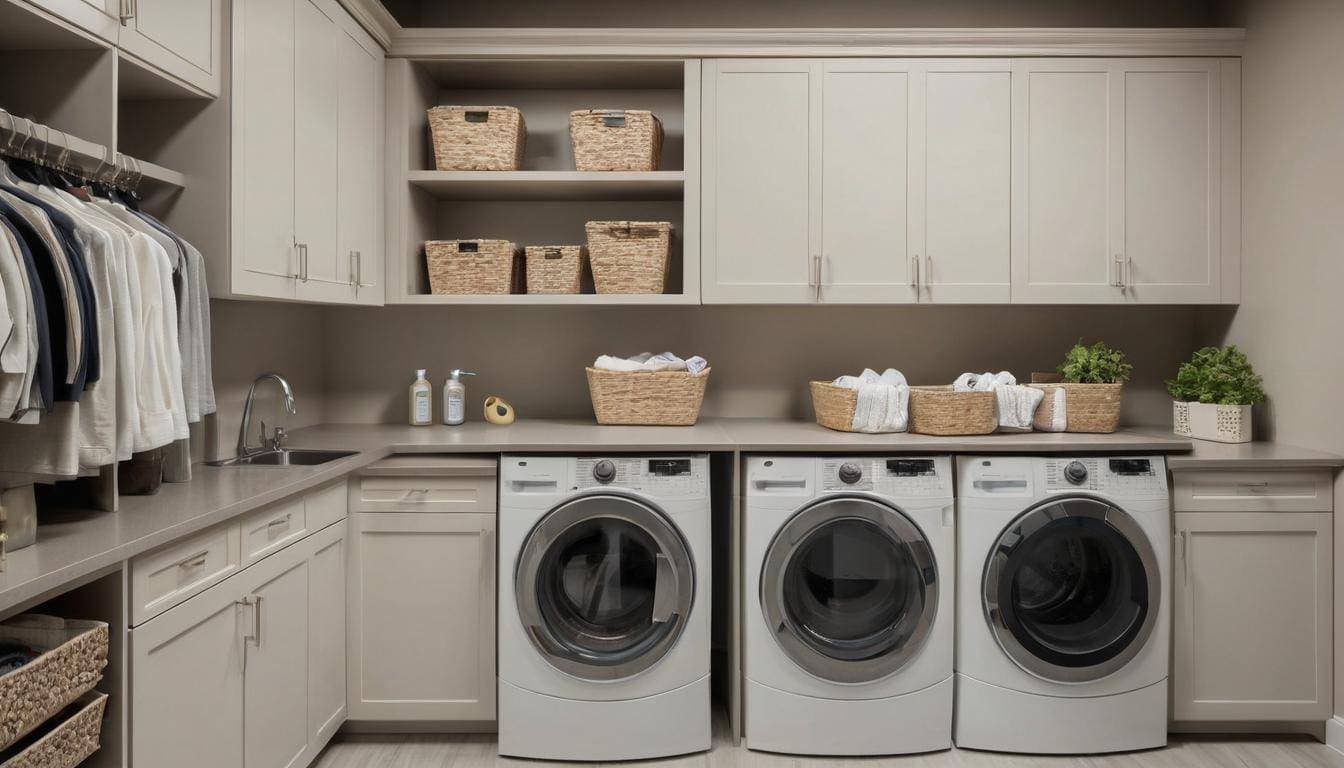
pixel 616 139
pixel 662 398
pixel 554 268
pixel 73 654
pixel 941 411
pixel 67 743
pixel 1092 407
pixel 1210 421
pixel 628 256
pixel 473 266
pixel 477 138
pixel 834 406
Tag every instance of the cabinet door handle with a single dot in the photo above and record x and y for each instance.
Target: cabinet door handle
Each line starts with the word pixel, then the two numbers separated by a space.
pixel 1118 264
pixel 126 11
pixel 1129 271
pixel 816 267
pixel 253 602
pixel 914 272
pixel 303 262
pixel 928 271
pixel 1185 559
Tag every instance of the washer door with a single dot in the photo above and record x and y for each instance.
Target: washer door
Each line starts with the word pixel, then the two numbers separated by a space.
pixel 604 586
pixel 1072 589
pixel 849 588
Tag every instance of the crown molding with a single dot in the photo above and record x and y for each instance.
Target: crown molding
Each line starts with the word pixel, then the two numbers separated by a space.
pixel 374 17
pixel 448 43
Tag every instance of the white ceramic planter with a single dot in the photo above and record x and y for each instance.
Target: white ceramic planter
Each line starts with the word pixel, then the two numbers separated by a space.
pixel 1208 421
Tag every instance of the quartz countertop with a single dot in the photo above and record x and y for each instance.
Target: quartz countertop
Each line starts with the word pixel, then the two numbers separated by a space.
pixel 75 545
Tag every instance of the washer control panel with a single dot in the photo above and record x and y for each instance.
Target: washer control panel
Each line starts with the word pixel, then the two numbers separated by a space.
pixel 903 476
pixel 664 476
pixel 1115 475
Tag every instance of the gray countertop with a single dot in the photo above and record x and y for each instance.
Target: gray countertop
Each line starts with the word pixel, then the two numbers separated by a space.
pixel 74 544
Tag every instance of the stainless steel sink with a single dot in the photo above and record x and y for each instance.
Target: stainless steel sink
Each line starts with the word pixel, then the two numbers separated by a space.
pixel 285 457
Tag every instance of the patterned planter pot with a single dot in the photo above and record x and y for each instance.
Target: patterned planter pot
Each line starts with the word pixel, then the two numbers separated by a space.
pixel 1209 421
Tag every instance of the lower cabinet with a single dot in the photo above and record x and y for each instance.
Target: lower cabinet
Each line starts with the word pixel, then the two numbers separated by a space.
pixel 1252 610
pixel 250 671
pixel 422 581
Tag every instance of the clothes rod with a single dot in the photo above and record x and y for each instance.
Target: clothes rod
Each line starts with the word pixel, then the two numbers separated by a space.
pixel 54 148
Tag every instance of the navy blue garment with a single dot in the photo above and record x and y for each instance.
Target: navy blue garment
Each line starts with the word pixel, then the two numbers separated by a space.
pixel 89 370
pixel 42 310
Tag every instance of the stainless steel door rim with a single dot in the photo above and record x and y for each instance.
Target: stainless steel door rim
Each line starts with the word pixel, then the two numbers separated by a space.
pixel 899 633
pixel 665 561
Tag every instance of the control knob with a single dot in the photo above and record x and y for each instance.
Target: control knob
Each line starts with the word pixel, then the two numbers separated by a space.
pixel 604 471
pixel 850 473
pixel 1076 472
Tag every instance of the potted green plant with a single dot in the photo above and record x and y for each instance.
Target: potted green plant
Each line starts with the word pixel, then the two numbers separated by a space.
pixel 1213 393
pixel 1093 378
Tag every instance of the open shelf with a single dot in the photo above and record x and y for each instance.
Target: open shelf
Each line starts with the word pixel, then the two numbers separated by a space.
pixel 156 176
pixel 550 185
pixel 554 299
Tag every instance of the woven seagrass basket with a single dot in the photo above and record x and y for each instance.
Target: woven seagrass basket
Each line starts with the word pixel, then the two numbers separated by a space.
pixel 628 256
pixel 477 138
pixel 941 411
pixel 661 398
pixel 616 139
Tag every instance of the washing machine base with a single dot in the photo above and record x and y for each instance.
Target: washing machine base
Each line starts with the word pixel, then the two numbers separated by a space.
pixel 779 721
pixel 550 728
pixel 1002 720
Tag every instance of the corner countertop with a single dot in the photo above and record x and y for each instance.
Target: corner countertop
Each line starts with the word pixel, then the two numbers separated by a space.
pixel 74 545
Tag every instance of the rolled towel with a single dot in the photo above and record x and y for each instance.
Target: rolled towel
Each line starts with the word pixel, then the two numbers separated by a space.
pixel 1017 406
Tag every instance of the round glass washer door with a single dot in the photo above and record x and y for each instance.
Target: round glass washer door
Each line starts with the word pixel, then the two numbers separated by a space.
pixel 604 585
pixel 849 589
pixel 1072 590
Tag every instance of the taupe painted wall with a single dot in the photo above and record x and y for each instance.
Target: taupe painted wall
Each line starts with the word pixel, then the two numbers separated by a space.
pixel 762 356
pixel 1290 318
pixel 804 13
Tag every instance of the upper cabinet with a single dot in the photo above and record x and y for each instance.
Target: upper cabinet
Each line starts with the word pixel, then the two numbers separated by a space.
pixel 180 37
pixel 307 160
pixel 1123 189
pixel 971 181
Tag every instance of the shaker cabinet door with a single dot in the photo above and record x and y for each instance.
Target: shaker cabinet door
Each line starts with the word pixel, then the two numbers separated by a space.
pixel 359 188
pixel 1252 616
pixel 179 37
pixel 275 709
pixel 760 181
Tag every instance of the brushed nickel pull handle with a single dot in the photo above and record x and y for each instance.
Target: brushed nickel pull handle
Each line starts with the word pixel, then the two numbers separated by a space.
pixel 194 561
pixel 256 608
pixel 1118 264
pixel 816 262
pixel 1129 271
pixel 914 272
pixel 928 271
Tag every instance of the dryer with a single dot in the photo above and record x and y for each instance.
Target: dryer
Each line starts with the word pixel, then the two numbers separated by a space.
pixel 849 604
pixel 604 603
pixel 1063 618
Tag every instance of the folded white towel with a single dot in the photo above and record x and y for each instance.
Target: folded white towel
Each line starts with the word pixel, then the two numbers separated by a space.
pixel 1016 404
pixel 883 402
pixel 1059 420
pixel 647 361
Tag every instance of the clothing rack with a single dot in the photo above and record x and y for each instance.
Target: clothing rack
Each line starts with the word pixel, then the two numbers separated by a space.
pixel 23 138
pixel 53 148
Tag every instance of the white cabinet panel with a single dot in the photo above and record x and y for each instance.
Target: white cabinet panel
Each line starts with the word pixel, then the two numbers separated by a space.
pixel 275 706
pixel 424 636
pixel 324 274
pixel 961 180
pixel 865 182
pixel 760 181
pixel 1172 185
pixel 1066 181
pixel 179 37
pixel 326 634
pixel 97 17
pixel 359 187
pixel 1252 616
pixel 187 684
pixel 263 255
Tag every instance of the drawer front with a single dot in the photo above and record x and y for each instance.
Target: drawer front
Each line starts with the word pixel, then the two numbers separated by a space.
pixel 426 494
pixel 272 529
pixel 166 577
pixel 326 506
pixel 1307 490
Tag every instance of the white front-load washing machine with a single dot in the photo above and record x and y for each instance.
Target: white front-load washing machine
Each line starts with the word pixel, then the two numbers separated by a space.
pixel 849 604
pixel 604 606
pixel 1064 587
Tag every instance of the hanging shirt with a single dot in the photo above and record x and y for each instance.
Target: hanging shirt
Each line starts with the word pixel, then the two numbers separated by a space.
pixel 48 305
pixel 18 357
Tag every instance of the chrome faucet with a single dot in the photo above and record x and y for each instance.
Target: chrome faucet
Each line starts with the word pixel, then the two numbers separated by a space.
pixel 275 441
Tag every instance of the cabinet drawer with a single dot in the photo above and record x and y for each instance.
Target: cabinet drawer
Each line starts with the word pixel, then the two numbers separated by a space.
pixel 426 494
pixel 271 529
pixel 325 506
pixel 1308 490
pixel 166 577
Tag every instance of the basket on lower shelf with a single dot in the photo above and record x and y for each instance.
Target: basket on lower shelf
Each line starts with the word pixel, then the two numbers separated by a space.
pixel 65 741
pixel 834 405
pixel 477 138
pixel 628 256
pixel 72 655
pixel 473 267
pixel 943 411
pixel 554 268
pixel 1092 408
pixel 616 139
pixel 661 398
